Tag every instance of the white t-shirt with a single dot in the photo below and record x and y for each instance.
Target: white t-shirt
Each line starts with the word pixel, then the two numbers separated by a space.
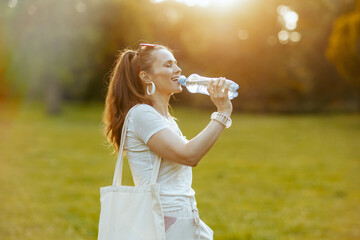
pixel 175 179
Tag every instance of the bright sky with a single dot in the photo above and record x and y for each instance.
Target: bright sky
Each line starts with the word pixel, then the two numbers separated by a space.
pixel 205 3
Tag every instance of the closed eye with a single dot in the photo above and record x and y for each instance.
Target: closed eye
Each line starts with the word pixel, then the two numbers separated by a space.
pixel 170 63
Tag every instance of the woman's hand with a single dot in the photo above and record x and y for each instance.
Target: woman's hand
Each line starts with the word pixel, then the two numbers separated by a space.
pixel 219 95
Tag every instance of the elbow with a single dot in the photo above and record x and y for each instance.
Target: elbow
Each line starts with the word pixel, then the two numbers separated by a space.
pixel 192 160
pixel 193 163
pixel 186 159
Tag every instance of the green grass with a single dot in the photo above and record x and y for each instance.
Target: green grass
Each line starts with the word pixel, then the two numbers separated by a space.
pixel 268 177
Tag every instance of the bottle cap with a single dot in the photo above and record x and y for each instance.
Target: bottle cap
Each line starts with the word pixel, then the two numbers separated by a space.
pixel 236 87
pixel 182 80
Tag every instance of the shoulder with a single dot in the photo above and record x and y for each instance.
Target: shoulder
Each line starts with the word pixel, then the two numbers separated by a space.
pixel 142 110
pixel 146 121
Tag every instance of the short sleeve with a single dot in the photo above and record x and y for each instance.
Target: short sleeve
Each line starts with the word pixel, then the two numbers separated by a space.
pixel 146 122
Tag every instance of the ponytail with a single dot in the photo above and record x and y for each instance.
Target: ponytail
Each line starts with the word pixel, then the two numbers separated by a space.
pixel 126 89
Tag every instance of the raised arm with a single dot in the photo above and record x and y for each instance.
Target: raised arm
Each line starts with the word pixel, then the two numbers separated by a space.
pixel 169 145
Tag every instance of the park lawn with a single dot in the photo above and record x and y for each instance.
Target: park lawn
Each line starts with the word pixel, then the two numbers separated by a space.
pixel 268 177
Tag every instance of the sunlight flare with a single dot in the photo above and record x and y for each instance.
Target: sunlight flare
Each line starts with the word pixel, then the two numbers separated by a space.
pixel 207 3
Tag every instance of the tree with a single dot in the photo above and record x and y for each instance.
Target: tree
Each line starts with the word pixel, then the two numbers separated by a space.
pixel 344 47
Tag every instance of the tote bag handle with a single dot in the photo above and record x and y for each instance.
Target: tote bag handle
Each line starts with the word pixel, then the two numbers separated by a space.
pixel 119 163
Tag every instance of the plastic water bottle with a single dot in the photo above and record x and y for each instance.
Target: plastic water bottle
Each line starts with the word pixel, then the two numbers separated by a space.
pixel 198 84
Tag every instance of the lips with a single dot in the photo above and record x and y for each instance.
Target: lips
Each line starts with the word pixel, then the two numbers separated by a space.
pixel 175 78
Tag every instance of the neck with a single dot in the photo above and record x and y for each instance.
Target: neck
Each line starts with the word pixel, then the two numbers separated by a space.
pixel 160 103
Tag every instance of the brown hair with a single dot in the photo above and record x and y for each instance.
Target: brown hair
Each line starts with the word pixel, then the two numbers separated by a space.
pixel 126 89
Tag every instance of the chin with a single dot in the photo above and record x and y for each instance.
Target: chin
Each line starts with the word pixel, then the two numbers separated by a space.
pixel 179 90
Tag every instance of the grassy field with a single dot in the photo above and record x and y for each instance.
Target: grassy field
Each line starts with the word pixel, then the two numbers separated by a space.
pixel 268 177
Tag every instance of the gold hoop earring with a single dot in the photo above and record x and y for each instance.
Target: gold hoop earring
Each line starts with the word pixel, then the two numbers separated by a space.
pixel 152 89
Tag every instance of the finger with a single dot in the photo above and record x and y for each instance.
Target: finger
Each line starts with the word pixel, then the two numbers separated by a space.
pixel 220 85
pixel 223 82
pixel 227 85
pixel 219 82
pixel 226 89
pixel 210 82
pixel 210 87
pixel 214 82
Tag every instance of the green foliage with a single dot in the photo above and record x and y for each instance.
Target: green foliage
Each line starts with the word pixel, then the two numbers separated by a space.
pixel 344 46
pixel 268 177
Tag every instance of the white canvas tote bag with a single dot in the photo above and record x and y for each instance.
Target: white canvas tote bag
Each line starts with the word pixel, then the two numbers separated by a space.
pixel 131 212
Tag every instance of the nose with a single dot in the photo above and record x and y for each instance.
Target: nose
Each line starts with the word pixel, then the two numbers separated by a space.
pixel 178 69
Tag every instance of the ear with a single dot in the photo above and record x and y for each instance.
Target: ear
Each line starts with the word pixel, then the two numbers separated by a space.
pixel 144 76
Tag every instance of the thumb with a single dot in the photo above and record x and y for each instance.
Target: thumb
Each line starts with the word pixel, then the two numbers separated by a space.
pixel 226 89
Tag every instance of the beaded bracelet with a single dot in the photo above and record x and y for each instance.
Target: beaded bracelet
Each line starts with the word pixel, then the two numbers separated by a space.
pixel 221 118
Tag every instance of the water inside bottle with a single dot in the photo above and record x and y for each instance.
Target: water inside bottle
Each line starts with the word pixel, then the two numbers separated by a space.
pixel 197 87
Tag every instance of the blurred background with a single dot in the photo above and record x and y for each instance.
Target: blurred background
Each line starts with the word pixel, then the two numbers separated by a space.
pixel 288 168
pixel 286 55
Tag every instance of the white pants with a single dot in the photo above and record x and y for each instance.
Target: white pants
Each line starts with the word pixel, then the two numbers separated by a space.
pixel 185 224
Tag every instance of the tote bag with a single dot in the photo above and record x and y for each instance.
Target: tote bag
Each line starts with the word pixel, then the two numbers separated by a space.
pixel 131 212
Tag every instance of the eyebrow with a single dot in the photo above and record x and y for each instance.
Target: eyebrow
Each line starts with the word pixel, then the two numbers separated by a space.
pixel 171 61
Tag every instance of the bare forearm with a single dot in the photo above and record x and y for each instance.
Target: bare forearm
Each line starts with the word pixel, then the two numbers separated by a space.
pixel 202 143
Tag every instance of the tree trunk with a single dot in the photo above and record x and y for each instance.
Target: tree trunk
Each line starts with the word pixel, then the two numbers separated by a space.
pixel 53 96
pixel 358 100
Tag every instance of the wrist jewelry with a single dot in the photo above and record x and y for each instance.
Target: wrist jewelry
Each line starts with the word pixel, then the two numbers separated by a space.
pixel 221 118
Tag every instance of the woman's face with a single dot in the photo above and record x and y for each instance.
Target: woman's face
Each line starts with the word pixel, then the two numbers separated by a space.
pixel 165 72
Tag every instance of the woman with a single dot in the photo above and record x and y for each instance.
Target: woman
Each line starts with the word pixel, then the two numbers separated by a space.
pixel 147 78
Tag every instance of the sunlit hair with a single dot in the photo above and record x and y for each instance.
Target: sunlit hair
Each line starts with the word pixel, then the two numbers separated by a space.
pixel 125 89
